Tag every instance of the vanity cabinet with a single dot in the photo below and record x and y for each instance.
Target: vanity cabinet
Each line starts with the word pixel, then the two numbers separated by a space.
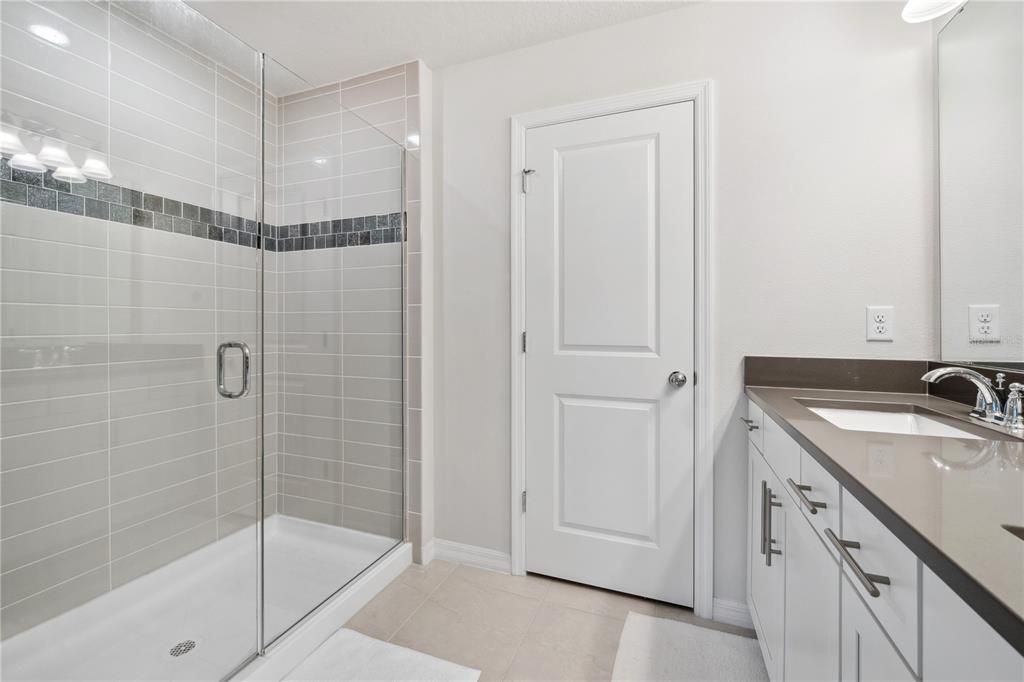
pixel 867 611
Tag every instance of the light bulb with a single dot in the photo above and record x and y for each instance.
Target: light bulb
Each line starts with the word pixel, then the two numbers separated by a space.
pixel 918 11
pixel 27 162
pixel 69 174
pixel 96 169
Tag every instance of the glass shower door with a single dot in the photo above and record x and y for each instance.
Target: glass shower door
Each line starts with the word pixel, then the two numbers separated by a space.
pixel 128 259
pixel 334 328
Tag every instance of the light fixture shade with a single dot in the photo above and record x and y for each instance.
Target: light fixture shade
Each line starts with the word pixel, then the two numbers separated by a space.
pixel 918 11
pixel 69 174
pixel 54 155
pixel 96 169
pixel 10 143
pixel 26 162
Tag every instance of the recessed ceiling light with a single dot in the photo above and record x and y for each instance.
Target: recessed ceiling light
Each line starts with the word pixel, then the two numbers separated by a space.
pixel 49 34
pixel 919 11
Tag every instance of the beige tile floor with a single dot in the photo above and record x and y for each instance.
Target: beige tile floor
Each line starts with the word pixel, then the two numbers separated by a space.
pixel 508 627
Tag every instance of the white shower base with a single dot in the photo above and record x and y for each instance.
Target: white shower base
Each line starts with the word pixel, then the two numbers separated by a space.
pixel 208 596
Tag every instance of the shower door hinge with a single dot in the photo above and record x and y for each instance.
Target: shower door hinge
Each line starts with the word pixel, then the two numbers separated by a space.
pixel 527 172
pixel 524 342
pixel 524 501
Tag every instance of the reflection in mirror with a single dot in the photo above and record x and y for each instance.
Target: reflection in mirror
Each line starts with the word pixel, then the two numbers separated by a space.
pixel 981 170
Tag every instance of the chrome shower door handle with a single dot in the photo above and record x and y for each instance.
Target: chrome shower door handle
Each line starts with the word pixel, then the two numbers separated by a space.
pixel 246 358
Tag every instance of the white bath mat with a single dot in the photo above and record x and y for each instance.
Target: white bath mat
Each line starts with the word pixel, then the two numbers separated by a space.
pixel 349 655
pixel 659 649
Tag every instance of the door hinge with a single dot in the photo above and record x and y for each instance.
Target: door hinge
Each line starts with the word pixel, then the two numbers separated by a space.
pixel 527 172
pixel 524 342
pixel 524 501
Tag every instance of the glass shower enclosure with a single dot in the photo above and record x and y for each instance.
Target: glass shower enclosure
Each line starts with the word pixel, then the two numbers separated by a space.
pixel 201 294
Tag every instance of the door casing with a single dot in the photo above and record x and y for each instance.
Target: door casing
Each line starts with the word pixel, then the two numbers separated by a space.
pixel 699 93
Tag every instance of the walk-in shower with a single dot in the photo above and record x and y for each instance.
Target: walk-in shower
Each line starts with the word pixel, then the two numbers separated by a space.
pixel 201 341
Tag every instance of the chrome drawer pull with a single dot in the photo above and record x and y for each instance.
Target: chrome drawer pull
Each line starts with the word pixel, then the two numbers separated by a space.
pixel 751 424
pixel 868 580
pixel 812 507
pixel 769 540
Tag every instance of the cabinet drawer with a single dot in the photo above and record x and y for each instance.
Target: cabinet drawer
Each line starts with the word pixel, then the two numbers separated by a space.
pixel 755 425
pixel 881 553
pixel 781 452
pixel 818 488
pixel 867 655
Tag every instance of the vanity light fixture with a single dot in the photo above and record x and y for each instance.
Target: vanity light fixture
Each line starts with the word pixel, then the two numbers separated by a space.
pixel 69 174
pixel 918 11
pixel 26 162
pixel 49 34
pixel 54 155
pixel 96 168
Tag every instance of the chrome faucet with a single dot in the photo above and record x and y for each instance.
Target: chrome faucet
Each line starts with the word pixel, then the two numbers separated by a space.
pixel 986 406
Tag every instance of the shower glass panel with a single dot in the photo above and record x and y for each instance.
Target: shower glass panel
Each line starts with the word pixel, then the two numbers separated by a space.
pixel 334 326
pixel 128 256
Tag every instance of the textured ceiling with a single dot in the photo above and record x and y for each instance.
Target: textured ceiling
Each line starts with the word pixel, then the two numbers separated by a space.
pixel 329 41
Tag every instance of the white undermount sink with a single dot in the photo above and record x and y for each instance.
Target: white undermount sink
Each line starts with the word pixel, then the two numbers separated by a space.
pixel 907 423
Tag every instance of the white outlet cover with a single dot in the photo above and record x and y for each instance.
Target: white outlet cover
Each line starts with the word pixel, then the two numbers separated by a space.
pixel 983 323
pixel 880 322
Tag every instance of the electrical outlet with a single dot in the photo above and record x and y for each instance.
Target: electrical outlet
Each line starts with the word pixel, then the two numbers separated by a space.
pixel 880 321
pixel 983 323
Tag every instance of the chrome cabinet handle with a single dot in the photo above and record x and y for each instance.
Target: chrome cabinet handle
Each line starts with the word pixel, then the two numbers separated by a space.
pixel 677 379
pixel 868 580
pixel 221 387
pixel 764 510
pixel 769 540
pixel 751 424
pixel 799 489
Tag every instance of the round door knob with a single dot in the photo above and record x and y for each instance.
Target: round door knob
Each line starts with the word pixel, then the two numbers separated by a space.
pixel 677 379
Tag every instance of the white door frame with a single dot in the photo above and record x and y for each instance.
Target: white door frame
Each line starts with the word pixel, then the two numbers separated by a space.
pixel 699 93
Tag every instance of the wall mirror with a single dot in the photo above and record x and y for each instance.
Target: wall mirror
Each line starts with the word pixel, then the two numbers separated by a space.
pixel 981 184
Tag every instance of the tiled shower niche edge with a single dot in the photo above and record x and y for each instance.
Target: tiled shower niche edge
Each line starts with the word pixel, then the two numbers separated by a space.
pixel 105 201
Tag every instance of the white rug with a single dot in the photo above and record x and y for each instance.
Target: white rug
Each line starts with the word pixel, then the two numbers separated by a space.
pixel 659 649
pixel 349 655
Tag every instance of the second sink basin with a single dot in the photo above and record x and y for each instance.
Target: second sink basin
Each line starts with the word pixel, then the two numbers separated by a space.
pixel 885 418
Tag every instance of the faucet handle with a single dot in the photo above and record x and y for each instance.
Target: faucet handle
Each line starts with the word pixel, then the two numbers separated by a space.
pixel 1000 380
pixel 1014 409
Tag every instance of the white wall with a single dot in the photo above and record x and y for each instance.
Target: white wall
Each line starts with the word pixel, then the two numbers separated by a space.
pixel 823 183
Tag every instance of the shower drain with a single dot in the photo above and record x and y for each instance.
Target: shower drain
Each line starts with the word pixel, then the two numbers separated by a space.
pixel 182 648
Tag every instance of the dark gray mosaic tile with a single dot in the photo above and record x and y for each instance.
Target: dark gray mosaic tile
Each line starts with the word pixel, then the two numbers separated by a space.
pixel 221 219
pixel 336 226
pixel 357 224
pixel 85 189
pixel 199 229
pixel 396 220
pixel 245 239
pixel 51 182
pixel 364 238
pixel 320 242
pixel 121 213
pixel 70 203
pixel 348 225
pixel 308 243
pixel 27 177
pixel 40 197
pixel 153 202
pixel 5 168
pixel 206 216
pixel 237 223
pixel 190 211
pixel 107 192
pixel 369 222
pixel 14 192
pixel 182 226
pixel 172 207
pixel 94 208
pixel 142 218
pixel 163 222
pixel 131 197
pixel 215 233
pixel 230 236
pixel 251 226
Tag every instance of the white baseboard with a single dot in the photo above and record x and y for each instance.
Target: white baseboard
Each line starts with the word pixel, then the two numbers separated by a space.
pixel 296 646
pixel 732 613
pixel 478 557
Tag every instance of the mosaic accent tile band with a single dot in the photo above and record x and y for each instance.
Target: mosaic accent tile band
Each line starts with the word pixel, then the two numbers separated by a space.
pixel 97 199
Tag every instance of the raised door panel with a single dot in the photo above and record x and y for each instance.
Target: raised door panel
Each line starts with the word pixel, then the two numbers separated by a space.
pixel 812 605
pixel 866 652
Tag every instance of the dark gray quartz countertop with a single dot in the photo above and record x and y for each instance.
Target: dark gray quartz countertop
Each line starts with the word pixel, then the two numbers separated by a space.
pixel 948 499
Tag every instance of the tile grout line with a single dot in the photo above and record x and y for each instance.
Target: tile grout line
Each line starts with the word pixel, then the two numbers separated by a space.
pixel 422 602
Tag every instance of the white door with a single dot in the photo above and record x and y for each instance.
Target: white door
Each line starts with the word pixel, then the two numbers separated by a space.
pixel 609 316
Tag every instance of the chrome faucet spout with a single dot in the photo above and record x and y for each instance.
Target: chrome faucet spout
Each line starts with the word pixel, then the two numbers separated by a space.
pixel 987 405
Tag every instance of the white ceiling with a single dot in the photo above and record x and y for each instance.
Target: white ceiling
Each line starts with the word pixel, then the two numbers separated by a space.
pixel 326 42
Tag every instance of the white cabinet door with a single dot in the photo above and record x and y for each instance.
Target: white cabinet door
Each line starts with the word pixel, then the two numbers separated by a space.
pixel 866 652
pixel 958 644
pixel 766 593
pixel 609 312
pixel 811 650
